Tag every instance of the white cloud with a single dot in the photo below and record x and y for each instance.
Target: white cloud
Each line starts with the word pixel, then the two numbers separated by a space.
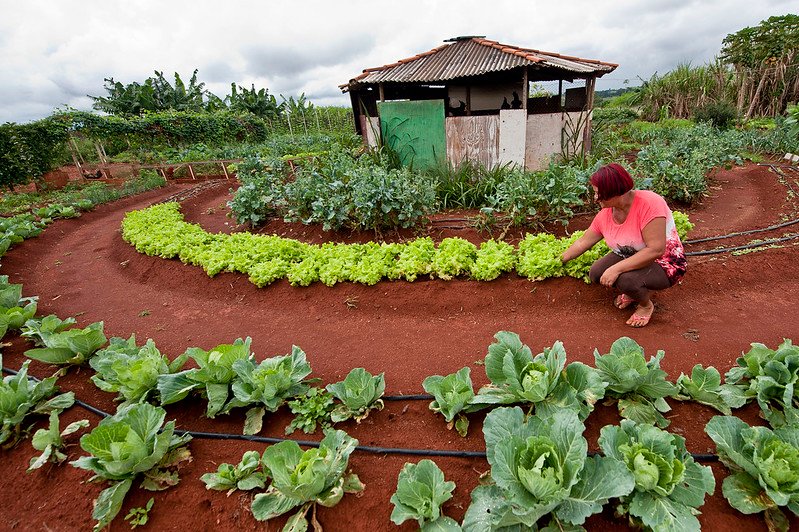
pixel 55 53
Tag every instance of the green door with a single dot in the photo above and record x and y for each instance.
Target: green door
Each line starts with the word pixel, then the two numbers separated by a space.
pixel 415 130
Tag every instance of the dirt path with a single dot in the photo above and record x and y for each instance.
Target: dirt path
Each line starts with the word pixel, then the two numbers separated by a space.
pixel 408 330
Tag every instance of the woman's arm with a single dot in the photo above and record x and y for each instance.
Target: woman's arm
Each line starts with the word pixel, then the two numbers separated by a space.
pixel 582 244
pixel 654 234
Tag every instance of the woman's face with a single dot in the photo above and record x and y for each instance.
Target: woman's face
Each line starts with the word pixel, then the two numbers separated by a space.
pixel 605 203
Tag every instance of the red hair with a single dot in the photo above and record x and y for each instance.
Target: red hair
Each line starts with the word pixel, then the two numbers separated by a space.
pixel 611 180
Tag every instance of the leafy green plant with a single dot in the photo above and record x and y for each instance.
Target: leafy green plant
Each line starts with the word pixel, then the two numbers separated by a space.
pixel 310 409
pixel 213 377
pixel 130 370
pixel 132 443
pixel 51 442
pixel 704 386
pixel 518 377
pixel 771 376
pixel 246 475
pixel 540 467
pixel 493 259
pixel 452 398
pixel 15 310
pixel 453 257
pixel 21 396
pixel 359 393
pixel 35 329
pixel 269 384
pixel 140 515
pixel 69 347
pixel 669 485
pixel 306 479
pixel 421 491
pixel 765 466
pixel 639 386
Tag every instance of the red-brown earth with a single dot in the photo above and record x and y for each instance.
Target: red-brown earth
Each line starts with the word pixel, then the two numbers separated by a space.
pixel 83 268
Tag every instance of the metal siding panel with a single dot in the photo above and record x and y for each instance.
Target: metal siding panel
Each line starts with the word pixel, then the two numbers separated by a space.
pixel 415 130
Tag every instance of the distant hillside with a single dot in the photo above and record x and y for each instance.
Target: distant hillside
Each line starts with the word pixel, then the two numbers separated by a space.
pixel 612 93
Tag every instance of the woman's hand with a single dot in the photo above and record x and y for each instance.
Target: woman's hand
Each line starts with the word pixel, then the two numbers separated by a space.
pixel 609 277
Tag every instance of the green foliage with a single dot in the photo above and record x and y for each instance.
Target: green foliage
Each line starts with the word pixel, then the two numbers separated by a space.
pixel 130 370
pixel 35 329
pixel 669 485
pixel 543 381
pixel 765 467
pixel 704 386
pixel 771 376
pixel 161 231
pixel 360 392
pixel 27 151
pixel 791 123
pixel 639 386
pixel 454 256
pixel 155 94
pixel 540 467
pixel 51 441
pixel 15 310
pixel 213 377
pixel 494 257
pixel 268 384
pixel 676 161
pixel 69 347
pixel 139 516
pixel 719 114
pixel 310 409
pixel 305 479
pixel 421 491
pixel 246 475
pixel 453 396
pixel 605 116
pixel 259 103
pixel 21 396
pixel 133 443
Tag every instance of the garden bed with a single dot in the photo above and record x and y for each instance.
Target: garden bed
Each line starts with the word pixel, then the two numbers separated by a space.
pixel 409 331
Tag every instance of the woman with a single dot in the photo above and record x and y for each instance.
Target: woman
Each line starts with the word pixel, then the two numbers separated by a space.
pixel 638 227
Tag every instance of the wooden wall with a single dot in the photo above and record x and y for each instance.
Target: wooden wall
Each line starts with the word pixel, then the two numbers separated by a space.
pixel 473 138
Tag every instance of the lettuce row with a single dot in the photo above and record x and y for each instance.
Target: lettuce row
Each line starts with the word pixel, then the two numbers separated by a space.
pixel 161 231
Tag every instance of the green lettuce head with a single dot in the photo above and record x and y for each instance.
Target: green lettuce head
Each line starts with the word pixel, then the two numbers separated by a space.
pixel 540 468
pixel 652 471
pixel 778 464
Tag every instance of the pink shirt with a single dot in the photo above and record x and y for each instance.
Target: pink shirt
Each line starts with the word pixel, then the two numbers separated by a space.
pixel 626 239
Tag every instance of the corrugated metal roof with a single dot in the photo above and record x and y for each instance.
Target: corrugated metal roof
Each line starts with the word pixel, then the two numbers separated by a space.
pixel 473 56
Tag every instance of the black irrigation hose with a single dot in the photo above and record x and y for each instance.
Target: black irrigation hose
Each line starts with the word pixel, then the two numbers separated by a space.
pixel 364 448
pixel 741 233
pixel 745 246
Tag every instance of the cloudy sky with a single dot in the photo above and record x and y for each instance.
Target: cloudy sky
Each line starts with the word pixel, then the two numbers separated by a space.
pixel 56 52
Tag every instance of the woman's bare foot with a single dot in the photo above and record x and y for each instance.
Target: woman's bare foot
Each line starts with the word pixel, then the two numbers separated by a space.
pixel 642 315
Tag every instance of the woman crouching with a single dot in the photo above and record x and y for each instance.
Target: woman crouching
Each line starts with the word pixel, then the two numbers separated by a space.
pixel 646 252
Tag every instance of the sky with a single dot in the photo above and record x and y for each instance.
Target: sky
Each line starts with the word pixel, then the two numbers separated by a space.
pixel 55 53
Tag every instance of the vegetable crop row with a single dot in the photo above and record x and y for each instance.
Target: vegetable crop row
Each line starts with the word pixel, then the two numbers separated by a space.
pixel 161 231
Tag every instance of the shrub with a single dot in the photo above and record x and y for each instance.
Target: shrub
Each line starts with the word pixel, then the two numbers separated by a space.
pixel 720 114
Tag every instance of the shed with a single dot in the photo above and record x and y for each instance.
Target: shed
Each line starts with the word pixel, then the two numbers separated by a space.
pixel 478 100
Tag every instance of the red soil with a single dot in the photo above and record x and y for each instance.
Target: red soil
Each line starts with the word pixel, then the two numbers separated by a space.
pixel 407 330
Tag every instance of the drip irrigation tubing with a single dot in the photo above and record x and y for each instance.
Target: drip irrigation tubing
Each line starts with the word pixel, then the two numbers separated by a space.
pixel 745 246
pixel 741 233
pixel 699 457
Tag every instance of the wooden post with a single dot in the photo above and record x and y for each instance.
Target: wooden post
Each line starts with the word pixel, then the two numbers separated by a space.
pixel 525 83
pixel 590 83
pixel 560 93
pixel 191 171
pixel 224 169
pixel 382 93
